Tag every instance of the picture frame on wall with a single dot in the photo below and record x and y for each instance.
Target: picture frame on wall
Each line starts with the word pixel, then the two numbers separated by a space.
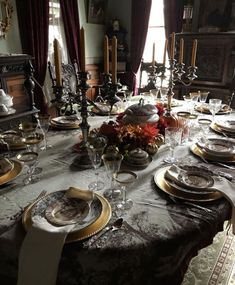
pixel 211 15
pixel 96 11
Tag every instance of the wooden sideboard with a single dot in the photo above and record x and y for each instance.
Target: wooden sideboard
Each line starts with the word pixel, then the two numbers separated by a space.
pixel 215 61
pixel 16 73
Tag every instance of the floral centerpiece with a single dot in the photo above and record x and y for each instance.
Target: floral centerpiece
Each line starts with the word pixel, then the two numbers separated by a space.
pixel 127 136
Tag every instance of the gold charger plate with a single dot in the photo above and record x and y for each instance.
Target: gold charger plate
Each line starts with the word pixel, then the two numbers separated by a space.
pixel 165 187
pixel 199 152
pixel 60 126
pixel 218 130
pixel 205 110
pixel 10 175
pixel 82 233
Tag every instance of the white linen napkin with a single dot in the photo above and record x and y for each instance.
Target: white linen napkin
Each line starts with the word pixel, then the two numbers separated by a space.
pixel 40 254
pixel 227 188
pixel 41 249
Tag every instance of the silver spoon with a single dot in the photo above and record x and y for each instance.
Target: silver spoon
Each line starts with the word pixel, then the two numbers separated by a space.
pixel 114 227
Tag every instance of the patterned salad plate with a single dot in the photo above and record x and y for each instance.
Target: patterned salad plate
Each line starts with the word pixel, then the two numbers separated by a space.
pixel 103 109
pixel 215 127
pixel 87 222
pixel 13 139
pixel 65 122
pixel 180 191
pixel 218 147
pixel 212 156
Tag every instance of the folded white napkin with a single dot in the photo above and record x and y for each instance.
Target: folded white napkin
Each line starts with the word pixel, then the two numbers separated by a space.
pixel 227 188
pixel 41 249
pixel 5 165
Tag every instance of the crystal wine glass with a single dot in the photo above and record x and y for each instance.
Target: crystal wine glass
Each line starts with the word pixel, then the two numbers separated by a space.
pixel 112 162
pixel 28 158
pixel 173 137
pixel 125 178
pixel 43 124
pixel 203 97
pixel 214 106
pixel 95 150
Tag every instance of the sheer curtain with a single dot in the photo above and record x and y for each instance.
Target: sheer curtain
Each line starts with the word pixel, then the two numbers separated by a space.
pixel 56 31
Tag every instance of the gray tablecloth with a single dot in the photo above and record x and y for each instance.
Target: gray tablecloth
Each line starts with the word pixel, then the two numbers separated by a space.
pixel 154 245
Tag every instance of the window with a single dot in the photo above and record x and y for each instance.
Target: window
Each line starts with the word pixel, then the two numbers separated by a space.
pixel 156 34
pixel 56 30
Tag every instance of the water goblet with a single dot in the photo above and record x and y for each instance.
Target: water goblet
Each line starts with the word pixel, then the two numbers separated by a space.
pixel 43 125
pixel 204 126
pixel 112 162
pixel 194 96
pixel 163 94
pixel 95 150
pixel 173 137
pixel 125 178
pixel 214 106
pixel 28 158
pixel 202 98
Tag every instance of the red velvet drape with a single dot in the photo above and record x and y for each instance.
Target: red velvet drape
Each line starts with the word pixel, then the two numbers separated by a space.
pixel 173 15
pixel 33 18
pixel 69 10
pixel 139 27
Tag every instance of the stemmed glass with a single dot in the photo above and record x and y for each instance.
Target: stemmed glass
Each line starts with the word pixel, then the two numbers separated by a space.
pixel 173 137
pixel 43 124
pixel 202 98
pixel 29 158
pixel 214 106
pixel 125 178
pixel 112 162
pixel 95 150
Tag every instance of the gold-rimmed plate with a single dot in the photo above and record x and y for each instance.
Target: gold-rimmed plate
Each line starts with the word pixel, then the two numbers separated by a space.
pixel 12 174
pixel 218 147
pixel 201 153
pixel 227 125
pixel 218 130
pixel 205 110
pixel 96 223
pixel 176 192
pixel 66 121
pixel 103 109
pixel 63 127
pixel 13 139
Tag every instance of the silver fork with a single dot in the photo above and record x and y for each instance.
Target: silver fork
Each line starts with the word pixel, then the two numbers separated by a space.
pixel 42 194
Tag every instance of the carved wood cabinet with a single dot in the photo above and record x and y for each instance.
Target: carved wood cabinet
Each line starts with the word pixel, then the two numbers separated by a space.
pixel 16 73
pixel 215 61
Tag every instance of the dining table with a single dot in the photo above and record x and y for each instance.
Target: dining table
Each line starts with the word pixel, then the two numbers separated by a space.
pixel 159 235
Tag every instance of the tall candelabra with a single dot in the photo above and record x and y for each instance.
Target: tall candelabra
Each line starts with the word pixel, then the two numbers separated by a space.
pixel 176 75
pixel 83 160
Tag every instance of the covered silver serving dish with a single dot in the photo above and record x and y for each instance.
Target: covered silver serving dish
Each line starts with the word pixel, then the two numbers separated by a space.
pixel 140 113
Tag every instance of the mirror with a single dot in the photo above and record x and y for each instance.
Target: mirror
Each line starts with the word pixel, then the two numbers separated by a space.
pixel 6 10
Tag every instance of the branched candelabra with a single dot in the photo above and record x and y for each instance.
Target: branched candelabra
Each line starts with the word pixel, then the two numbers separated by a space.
pixel 177 73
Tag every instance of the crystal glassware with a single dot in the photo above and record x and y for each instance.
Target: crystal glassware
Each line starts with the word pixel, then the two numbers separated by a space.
pixel 43 125
pixel 214 106
pixel 112 162
pixel 173 137
pixel 125 178
pixel 28 158
pixel 95 149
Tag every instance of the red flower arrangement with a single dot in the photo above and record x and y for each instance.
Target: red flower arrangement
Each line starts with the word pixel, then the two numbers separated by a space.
pixel 130 136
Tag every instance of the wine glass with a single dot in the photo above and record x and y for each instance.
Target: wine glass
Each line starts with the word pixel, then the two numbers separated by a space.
pixel 95 150
pixel 112 162
pixel 43 124
pixel 173 137
pixel 28 158
pixel 202 98
pixel 214 106
pixel 125 178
